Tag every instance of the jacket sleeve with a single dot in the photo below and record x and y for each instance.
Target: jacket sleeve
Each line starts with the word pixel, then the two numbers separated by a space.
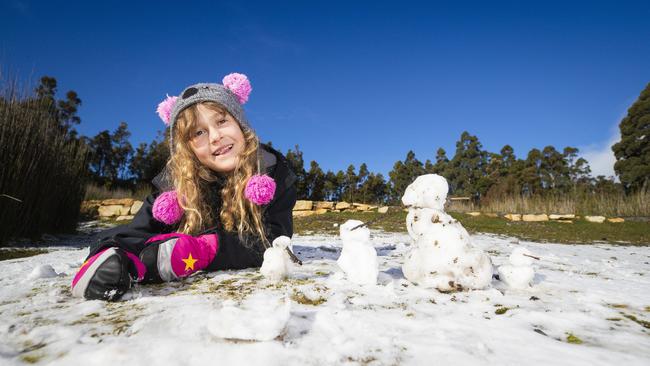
pixel 131 237
pixel 235 253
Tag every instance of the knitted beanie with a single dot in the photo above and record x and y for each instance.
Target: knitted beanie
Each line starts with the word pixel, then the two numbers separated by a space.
pixel 231 95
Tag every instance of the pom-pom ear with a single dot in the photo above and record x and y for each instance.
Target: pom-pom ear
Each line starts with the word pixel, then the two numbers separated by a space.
pixel 260 189
pixel 165 108
pixel 166 208
pixel 239 85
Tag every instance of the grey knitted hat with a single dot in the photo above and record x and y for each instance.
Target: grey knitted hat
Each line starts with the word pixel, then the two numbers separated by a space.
pixel 231 95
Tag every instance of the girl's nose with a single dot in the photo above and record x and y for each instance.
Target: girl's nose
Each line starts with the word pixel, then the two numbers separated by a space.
pixel 215 135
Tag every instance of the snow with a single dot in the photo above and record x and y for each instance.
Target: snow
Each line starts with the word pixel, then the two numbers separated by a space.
pixel 442 255
pixel 358 258
pixel 277 264
pixel 318 317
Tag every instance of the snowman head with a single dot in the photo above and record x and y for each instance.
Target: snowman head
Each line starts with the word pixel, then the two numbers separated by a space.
pixel 282 242
pixel 429 190
pixel 359 234
pixel 521 256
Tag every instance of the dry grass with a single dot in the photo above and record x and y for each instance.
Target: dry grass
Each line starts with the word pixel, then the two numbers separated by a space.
pixel 610 205
pixel 41 167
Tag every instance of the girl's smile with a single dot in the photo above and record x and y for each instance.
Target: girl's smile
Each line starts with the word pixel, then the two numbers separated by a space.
pixel 217 140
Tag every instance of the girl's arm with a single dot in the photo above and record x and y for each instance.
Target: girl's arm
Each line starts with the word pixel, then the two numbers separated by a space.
pixel 131 237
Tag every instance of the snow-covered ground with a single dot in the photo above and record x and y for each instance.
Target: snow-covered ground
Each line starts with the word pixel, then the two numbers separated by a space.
pixel 598 295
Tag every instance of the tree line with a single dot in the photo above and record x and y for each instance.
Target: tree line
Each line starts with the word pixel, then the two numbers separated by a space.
pixel 471 171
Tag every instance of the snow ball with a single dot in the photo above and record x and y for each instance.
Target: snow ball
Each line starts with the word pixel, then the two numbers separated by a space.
pixel 42 271
pixel 360 234
pixel 520 257
pixel 429 190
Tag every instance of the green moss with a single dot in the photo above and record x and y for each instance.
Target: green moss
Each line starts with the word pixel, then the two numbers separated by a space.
pixel 10 253
pixel 614 319
pixel 501 310
pixel 571 338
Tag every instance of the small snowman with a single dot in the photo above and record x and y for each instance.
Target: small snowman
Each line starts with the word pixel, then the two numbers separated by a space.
pixel 519 273
pixel 358 258
pixel 277 263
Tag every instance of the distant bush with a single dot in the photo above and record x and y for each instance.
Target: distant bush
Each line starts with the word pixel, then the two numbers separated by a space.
pixel 43 165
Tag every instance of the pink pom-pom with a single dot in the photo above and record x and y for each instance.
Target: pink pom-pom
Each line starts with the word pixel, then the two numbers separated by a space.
pixel 167 209
pixel 238 84
pixel 165 109
pixel 260 189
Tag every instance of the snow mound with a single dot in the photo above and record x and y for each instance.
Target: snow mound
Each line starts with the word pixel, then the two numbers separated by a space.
pixel 259 318
pixel 42 271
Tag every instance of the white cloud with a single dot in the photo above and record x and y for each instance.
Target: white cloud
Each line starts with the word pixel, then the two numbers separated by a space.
pixel 600 156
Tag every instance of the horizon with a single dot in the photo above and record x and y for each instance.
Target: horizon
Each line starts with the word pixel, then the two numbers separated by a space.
pixel 364 83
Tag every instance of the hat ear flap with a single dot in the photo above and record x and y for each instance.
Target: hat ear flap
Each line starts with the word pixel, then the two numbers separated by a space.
pixel 239 85
pixel 165 109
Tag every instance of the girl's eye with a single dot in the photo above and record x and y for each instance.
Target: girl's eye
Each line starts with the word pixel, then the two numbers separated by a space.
pixel 199 133
pixel 223 121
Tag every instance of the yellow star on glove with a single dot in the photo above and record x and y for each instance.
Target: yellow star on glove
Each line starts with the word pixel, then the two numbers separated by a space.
pixel 189 262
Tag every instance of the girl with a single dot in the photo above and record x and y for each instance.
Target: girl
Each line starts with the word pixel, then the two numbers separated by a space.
pixel 222 198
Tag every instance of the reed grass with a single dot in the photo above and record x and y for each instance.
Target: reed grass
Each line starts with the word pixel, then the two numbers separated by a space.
pixel 41 167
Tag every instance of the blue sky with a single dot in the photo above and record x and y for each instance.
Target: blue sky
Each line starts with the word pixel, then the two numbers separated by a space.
pixel 353 81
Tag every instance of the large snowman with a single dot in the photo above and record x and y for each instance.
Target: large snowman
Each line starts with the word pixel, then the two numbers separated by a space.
pixel 441 255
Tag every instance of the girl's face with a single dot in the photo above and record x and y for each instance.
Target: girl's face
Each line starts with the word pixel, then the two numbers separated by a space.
pixel 216 140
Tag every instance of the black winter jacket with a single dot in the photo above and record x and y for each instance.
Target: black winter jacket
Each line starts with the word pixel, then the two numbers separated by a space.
pixel 232 252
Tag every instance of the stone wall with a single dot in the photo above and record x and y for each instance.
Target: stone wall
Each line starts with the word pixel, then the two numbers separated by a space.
pixel 126 208
pixel 118 209
pixel 307 208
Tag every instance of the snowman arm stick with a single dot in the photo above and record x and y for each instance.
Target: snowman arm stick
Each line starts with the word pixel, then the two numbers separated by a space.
pixel 531 256
pixel 293 257
pixel 365 224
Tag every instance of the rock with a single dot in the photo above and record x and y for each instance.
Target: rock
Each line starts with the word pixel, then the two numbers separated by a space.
pixel 561 217
pixel 302 205
pixel 382 209
pixel 89 209
pixel 491 214
pixel 343 205
pixel 336 211
pixel 596 219
pixel 565 221
pixel 535 218
pixel 361 207
pixel 135 207
pixel 118 201
pixel 323 204
pixel 303 213
pixel 124 218
pixel 616 220
pixel 474 213
pixel 320 211
pixel 112 210
pixel 513 217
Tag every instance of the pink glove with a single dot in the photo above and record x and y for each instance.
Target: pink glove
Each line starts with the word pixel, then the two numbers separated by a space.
pixel 180 255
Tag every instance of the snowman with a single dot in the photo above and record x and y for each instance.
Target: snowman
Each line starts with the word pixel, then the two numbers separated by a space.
pixel 358 258
pixel 277 263
pixel 442 255
pixel 519 273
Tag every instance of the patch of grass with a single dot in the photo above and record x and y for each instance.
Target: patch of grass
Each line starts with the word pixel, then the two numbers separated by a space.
pixel 580 232
pixel 643 323
pixel 301 298
pixel 32 358
pixel 11 253
pixel 573 339
pixel 618 306
pixel 501 310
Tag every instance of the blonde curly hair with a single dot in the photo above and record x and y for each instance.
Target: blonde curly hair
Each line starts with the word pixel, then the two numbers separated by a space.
pixel 192 181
